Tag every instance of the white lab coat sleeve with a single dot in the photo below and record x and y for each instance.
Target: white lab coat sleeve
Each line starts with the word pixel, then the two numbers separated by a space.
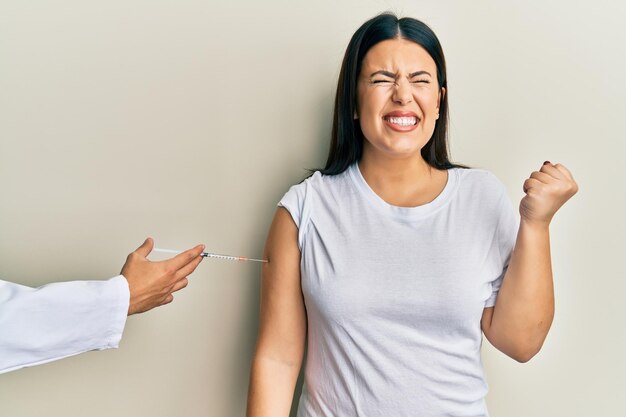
pixel 39 325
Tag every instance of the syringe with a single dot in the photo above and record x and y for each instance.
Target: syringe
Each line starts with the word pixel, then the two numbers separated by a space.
pixel 212 255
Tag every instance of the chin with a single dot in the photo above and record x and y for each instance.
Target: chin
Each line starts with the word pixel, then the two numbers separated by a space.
pixel 401 153
pixel 409 148
pixel 404 147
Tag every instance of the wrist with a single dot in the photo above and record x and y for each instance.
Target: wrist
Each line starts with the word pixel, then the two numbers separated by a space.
pixel 535 225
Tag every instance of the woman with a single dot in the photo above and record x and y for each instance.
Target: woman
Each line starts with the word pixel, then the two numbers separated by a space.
pixel 392 260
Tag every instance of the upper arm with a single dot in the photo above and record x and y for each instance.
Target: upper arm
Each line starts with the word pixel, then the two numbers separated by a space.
pixel 485 322
pixel 282 327
pixel 485 325
pixel 501 341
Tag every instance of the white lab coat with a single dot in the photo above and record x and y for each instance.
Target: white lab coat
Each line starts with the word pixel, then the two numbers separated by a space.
pixel 39 325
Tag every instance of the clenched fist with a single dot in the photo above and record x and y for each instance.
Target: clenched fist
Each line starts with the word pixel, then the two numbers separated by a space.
pixel 546 191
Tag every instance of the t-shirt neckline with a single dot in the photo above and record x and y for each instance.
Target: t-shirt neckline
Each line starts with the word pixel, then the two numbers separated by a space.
pixel 404 212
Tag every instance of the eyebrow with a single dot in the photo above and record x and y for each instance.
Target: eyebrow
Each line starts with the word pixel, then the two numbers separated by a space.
pixel 392 75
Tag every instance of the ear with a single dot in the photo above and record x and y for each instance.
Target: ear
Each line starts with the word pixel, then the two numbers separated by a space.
pixel 442 93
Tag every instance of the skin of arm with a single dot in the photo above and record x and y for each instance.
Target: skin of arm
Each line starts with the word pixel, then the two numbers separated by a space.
pixel 519 322
pixel 282 328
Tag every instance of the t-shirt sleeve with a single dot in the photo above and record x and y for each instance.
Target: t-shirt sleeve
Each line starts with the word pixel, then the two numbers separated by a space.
pixel 293 201
pixel 297 203
pixel 505 236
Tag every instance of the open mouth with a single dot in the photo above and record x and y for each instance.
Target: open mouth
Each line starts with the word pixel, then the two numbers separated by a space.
pixel 401 121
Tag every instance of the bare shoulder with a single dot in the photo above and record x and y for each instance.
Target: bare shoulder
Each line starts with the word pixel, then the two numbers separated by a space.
pixel 283 253
pixel 282 239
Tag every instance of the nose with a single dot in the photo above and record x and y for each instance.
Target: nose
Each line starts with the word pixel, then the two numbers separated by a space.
pixel 402 92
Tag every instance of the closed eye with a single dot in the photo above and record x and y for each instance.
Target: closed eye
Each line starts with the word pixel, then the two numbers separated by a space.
pixel 389 81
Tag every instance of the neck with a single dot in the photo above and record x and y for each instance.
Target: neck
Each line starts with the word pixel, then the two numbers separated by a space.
pixel 383 170
pixel 404 182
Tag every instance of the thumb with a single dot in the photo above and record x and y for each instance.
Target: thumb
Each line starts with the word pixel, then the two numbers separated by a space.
pixel 145 249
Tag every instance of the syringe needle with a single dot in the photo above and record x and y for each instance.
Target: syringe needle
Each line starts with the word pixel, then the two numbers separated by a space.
pixel 232 258
pixel 212 255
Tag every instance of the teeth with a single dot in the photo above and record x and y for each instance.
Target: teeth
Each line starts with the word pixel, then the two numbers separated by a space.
pixel 402 121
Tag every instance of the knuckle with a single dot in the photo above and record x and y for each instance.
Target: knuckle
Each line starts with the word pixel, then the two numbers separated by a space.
pixel 526 185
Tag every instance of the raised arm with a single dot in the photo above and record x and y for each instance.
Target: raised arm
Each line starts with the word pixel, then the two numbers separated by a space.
pixel 519 322
pixel 282 329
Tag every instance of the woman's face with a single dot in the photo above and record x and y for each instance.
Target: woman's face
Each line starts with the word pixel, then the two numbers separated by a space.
pixel 397 98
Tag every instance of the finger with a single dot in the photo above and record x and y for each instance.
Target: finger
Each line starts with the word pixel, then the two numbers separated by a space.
pixel 531 183
pixel 564 170
pixel 542 177
pixel 184 258
pixel 168 299
pixel 550 169
pixel 145 248
pixel 180 284
pixel 189 268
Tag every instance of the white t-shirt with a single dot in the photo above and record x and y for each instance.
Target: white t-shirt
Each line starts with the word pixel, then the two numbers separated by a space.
pixel 394 295
pixel 39 325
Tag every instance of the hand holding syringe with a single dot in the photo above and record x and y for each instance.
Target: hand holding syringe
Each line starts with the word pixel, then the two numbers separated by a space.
pixel 213 255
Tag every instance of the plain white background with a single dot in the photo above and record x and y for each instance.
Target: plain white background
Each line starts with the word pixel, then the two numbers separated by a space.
pixel 187 121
